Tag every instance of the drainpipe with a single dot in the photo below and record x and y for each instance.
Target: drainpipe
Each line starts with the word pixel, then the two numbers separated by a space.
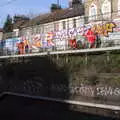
pixel 111 8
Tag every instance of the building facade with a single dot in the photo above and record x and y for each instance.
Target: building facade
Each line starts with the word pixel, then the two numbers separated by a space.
pixel 102 9
pixel 93 24
pixel 61 23
pixel 104 15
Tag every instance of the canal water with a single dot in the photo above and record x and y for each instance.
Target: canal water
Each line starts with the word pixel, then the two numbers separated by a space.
pixel 21 108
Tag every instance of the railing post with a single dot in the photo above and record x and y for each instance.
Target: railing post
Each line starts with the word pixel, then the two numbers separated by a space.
pixel 86 58
pixel 66 58
pixel 57 57
pixel 108 56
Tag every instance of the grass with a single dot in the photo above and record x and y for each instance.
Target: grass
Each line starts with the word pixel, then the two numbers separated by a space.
pixel 90 69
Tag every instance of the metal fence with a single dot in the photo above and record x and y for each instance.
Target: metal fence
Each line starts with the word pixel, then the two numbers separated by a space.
pixel 68 34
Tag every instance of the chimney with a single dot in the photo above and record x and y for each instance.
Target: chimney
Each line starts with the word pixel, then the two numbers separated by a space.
pixel 70 3
pixel 74 3
pixel 55 7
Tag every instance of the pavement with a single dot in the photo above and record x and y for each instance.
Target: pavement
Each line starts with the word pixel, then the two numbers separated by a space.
pixel 21 108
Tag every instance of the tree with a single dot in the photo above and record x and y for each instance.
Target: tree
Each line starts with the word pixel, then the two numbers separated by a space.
pixel 8 25
pixel 18 18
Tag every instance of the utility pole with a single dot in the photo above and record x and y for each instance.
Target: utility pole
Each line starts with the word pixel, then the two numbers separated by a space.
pixel 58 2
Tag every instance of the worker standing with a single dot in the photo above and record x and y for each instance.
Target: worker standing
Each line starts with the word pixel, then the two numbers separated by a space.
pixel 21 48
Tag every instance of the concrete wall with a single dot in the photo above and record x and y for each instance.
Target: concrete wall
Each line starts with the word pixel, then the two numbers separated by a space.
pixel 91 78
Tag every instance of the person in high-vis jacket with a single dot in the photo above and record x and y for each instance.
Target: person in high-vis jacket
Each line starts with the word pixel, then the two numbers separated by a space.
pixel 21 48
pixel 91 37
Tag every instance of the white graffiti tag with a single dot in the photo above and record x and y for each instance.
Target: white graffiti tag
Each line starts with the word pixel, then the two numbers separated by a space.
pixel 108 91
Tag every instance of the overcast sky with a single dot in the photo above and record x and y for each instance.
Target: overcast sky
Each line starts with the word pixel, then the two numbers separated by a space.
pixel 26 7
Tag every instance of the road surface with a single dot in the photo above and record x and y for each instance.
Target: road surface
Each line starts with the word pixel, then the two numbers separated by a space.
pixel 21 108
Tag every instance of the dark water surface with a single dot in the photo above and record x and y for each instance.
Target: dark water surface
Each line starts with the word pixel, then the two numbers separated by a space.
pixel 20 108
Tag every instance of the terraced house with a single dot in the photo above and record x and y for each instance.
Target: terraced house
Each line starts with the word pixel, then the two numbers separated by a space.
pixel 104 16
pixel 88 24
pixel 58 20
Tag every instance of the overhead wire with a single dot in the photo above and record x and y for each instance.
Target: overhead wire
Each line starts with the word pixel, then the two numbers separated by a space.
pixel 7 3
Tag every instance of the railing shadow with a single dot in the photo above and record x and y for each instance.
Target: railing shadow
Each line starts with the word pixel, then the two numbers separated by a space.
pixel 35 76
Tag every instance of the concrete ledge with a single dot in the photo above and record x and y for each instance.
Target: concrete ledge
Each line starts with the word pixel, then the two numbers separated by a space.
pixel 64 52
pixel 103 106
pixel 94 108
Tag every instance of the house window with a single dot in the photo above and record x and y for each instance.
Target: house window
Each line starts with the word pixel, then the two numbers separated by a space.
pixel 34 30
pixel 56 26
pixel 119 7
pixel 93 12
pixel 74 23
pixel 64 24
pixel 106 9
pixel 39 29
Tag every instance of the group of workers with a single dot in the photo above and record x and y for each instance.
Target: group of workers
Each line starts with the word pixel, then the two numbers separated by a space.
pixel 91 40
pixel 23 47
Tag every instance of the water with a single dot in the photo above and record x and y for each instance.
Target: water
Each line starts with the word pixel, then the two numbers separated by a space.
pixel 20 108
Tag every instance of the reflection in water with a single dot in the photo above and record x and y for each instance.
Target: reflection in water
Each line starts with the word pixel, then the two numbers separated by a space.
pixel 20 108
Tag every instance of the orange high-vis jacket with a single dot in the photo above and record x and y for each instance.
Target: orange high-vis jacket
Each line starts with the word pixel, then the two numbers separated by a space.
pixel 21 47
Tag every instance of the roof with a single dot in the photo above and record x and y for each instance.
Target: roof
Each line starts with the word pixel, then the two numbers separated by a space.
pixel 1 30
pixel 18 24
pixel 56 15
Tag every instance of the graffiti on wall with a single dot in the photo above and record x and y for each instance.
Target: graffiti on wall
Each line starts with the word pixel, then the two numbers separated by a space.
pixel 108 91
pixel 10 45
pixel 88 91
pixel 85 36
pixel 22 45
pixel 104 29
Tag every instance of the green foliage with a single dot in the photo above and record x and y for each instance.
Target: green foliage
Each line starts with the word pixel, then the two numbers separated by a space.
pixel 97 70
pixel 17 18
pixel 8 25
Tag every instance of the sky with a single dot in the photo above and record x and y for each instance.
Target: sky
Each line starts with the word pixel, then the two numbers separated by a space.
pixel 26 7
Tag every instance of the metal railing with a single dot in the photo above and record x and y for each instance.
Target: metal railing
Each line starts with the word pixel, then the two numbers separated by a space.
pixel 45 38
